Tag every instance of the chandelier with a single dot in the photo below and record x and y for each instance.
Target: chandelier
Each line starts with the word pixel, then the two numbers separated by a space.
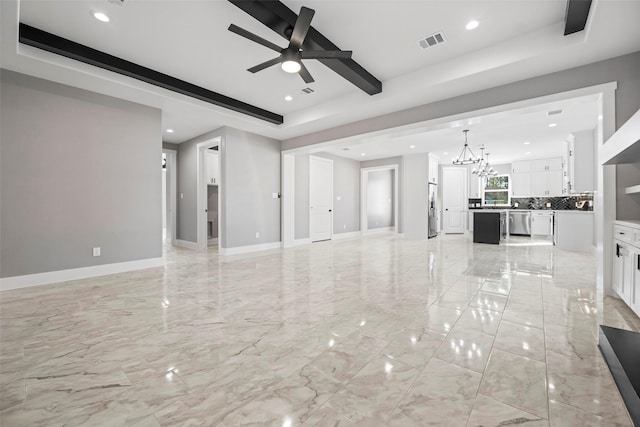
pixel 466 157
pixel 484 169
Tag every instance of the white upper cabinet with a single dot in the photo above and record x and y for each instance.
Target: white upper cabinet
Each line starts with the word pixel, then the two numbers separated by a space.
pixel 523 166
pixel 212 167
pixel 551 164
pixel 521 185
pixel 433 168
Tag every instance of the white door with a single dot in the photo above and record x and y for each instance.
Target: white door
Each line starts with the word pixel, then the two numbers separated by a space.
pixel 453 199
pixel 320 198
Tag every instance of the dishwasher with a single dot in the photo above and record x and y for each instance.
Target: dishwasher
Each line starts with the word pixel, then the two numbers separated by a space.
pixel 520 223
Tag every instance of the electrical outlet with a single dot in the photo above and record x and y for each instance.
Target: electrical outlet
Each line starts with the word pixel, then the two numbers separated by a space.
pixel 548 205
pixel 96 251
pixel 274 195
pixel 182 195
pixel 338 198
pixel 344 227
pixel 257 234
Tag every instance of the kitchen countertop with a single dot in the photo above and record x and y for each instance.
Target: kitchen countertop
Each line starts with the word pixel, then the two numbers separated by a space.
pixel 628 223
pixel 533 210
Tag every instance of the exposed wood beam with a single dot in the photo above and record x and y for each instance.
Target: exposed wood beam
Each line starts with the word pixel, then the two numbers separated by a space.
pixel 52 43
pixel 575 18
pixel 281 19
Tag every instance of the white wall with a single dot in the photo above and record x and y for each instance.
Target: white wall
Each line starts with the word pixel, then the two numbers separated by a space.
pixel 414 196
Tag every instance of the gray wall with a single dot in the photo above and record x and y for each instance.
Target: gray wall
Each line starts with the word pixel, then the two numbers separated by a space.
pixel 623 69
pixel 388 162
pixel 415 195
pixel 78 170
pixel 380 199
pixel 346 186
pixel 169 146
pixel 250 174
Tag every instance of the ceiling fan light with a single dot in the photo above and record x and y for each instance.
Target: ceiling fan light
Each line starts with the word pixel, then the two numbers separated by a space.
pixel 291 66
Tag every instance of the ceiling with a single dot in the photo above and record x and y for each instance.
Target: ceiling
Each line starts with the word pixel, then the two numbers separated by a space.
pixel 189 40
pixel 527 133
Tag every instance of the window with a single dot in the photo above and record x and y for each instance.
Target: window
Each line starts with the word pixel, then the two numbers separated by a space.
pixel 496 190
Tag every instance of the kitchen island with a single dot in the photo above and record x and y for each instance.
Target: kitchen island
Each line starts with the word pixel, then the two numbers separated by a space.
pixel 489 226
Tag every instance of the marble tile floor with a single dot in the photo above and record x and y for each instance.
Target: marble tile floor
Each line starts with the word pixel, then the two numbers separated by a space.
pixel 367 331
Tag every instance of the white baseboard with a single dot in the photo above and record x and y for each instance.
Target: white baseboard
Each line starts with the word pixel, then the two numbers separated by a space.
pixel 379 230
pixel 347 235
pixel 300 242
pixel 248 249
pixel 213 241
pixel 187 244
pixel 38 279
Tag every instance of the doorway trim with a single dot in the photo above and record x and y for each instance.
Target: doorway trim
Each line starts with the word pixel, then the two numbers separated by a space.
pixel 172 186
pixel 364 183
pixel 201 193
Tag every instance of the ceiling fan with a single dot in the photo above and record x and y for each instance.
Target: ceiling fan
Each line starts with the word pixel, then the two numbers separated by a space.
pixel 291 57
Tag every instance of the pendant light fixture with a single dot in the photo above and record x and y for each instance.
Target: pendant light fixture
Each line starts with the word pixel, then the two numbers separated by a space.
pixel 466 157
pixel 484 169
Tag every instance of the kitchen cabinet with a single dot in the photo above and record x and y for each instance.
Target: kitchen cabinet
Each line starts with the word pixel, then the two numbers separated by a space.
pixel 547 183
pixel 522 166
pixel 537 178
pixel 212 168
pixel 433 168
pixel 551 164
pixel 521 185
pixel 580 153
pixel 541 223
pixel 626 264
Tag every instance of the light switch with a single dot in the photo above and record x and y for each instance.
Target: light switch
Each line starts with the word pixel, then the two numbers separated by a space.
pixel 338 198
pixel 274 195
pixel 96 251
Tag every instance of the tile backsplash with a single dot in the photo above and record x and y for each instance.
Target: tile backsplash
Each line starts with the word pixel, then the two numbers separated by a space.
pixel 582 202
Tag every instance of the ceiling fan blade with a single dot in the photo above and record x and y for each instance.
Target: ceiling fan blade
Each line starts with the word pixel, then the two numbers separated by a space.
pixel 304 73
pixel 303 23
pixel 264 65
pixel 254 38
pixel 325 54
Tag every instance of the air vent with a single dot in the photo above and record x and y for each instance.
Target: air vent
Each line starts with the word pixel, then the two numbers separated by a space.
pixel 118 2
pixel 308 90
pixel 554 112
pixel 431 40
pixel 346 149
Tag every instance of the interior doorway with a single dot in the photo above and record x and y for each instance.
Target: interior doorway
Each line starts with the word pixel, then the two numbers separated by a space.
pixel 379 199
pixel 209 193
pixel 169 185
pixel 454 199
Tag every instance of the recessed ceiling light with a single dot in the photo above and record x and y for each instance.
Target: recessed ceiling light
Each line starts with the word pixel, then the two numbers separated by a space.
pixel 169 130
pixel 102 17
pixel 412 146
pixel 472 25
pixel 526 143
pixel 527 153
pixel 445 153
pixel 288 98
pixel 362 154
pixel 552 125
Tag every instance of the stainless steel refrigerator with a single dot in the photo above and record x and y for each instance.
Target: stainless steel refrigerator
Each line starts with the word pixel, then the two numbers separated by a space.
pixel 433 210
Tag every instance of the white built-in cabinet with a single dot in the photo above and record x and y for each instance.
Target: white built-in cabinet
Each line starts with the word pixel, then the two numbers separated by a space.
pixel 626 265
pixel 537 178
pixel 580 166
pixel 541 223
pixel 212 167
pixel 433 168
